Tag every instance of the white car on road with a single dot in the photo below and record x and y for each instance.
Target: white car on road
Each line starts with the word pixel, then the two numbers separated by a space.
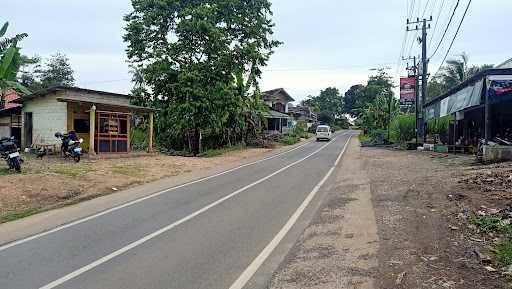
pixel 323 132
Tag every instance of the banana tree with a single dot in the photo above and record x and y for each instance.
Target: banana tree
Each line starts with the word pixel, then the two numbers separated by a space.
pixel 10 62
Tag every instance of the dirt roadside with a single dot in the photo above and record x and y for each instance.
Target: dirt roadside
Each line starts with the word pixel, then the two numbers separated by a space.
pixel 398 219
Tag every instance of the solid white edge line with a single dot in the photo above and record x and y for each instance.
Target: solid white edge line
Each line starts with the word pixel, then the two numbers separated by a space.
pixel 82 220
pixel 258 261
pixel 134 244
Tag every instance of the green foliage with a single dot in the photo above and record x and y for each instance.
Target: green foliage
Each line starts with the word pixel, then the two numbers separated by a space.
pixel 329 105
pixel 289 139
pixel 201 61
pixel 504 252
pixel 41 74
pixel 403 128
pixel 10 62
pixel 438 127
pixel 300 130
pixel 456 71
pixel 487 223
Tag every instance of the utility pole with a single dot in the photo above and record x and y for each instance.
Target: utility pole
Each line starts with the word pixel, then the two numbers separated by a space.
pixel 420 111
pixel 413 71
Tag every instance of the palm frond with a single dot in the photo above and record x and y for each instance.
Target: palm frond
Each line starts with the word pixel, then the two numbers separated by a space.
pixel 4 29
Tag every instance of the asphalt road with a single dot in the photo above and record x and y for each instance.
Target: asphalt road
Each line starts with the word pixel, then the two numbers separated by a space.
pixel 227 231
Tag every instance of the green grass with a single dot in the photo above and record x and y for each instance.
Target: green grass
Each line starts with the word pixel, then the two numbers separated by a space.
pixel 504 252
pixel 487 224
pixel 4 171
pixel 75 170
pixel 217 152
pixel 21 214
pixel 127 170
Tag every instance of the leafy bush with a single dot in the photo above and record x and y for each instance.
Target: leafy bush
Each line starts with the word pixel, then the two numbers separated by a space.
pixel 300 130
pixel 403 128
pixel 438 127
pixel 289 139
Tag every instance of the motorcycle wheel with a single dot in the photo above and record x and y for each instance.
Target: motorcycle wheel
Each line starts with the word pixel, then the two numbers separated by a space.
pixel 16 165
pixel 77 158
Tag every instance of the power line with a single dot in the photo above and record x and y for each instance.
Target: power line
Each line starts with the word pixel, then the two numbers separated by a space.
pixel 425 10
pixel 435 25
pixel 446 29
pixel 455 36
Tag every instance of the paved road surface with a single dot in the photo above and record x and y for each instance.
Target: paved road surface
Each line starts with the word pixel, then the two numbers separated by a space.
pixel 214 233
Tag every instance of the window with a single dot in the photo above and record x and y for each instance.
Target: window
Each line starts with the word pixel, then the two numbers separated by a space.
pixel 81 125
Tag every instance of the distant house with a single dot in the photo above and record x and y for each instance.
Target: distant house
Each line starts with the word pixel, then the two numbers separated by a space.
pixel 10 116
pixel 102 119
pixel 303 113
pixel 278 100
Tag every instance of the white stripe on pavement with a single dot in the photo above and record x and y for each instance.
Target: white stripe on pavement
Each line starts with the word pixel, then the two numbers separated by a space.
pixel 171 226
pixel 258 261
pixel 79 221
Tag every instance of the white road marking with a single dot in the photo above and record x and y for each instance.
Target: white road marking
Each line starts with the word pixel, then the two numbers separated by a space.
pixel 79 221
pixel 258 261
pixel 134 244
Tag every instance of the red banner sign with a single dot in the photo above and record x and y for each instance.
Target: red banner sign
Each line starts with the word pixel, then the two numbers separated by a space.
pixel 407 90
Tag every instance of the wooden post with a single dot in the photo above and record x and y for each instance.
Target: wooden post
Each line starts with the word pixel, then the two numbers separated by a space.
pixel 150 133
pixel 128 131
pixel 92 127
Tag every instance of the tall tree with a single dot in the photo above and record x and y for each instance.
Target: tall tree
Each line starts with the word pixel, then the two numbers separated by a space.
pixel 201 59
pixel 44 73
pixel 355 100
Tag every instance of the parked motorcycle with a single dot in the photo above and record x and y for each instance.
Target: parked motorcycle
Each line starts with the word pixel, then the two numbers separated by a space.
pixel 70 146
pixel 11 153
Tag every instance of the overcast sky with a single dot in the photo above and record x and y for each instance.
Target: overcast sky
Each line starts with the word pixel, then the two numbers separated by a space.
pixel 326 42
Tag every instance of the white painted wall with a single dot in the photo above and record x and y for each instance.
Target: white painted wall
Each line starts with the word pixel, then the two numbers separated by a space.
pixel 49 116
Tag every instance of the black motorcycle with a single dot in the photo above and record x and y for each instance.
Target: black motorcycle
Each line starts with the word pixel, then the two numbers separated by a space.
pixel 70 146
pixel 10 152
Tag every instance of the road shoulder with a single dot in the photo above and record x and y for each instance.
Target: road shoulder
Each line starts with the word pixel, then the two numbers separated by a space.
pixel 339 247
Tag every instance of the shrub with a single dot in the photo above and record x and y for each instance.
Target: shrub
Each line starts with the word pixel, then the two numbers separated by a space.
pixel 403 128
pixel 438 127
pixel 300 130
pixel 289 139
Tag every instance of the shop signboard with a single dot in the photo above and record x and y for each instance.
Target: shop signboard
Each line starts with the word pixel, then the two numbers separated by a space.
pixel 407 91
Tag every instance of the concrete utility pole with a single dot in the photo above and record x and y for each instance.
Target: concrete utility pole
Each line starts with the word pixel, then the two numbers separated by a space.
pixel 413 71
pixel 420 101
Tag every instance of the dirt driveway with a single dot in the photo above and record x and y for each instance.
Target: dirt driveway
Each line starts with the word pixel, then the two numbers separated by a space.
pixel 54 182
pixel 399 219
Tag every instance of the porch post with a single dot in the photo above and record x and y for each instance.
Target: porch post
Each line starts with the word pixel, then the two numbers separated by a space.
pixel 487 113
pixel 92 127
pixel 150 133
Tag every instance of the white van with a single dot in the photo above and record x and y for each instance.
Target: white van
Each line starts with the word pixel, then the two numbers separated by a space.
pixel 323 132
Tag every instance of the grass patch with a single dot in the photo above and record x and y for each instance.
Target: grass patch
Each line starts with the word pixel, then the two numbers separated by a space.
pixel 76 170
pixel 217 152
pixel 18 215
pixel 289 139
pixel 504 252
pixel 363 138
pixel 487 224
pixel 4 171
pixel 127 170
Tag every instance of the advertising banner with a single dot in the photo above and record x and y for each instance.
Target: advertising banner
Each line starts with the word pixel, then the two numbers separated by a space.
pixel 500 87
pixel 407 90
